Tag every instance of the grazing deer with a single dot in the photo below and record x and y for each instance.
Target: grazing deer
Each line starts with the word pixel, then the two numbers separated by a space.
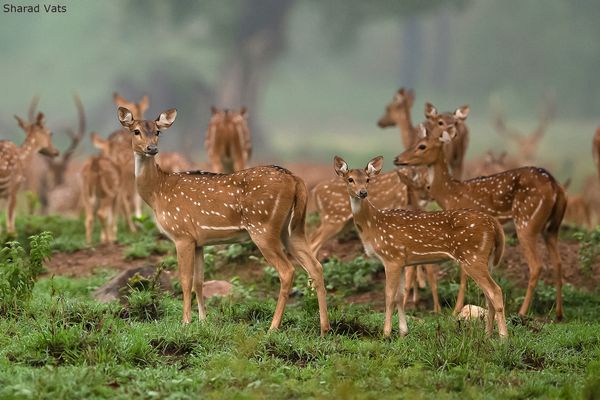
pixel 406 237
pixel 228 140
pixel 100 186
pixel 526 145
pixel 14 160
pixel 194 209
pixel 529 196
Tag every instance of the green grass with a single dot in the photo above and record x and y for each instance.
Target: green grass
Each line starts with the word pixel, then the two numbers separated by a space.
pixel 66 345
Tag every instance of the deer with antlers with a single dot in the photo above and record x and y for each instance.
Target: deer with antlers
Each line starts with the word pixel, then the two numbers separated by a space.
pixel 526 145
pixel 529 196
pixel 14 159
pixel 228 140
pixel 194 209
pixel 405 237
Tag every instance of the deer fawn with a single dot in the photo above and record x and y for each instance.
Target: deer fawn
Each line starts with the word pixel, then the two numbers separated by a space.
pixel 405 237
pixel 194 209
pixel 100 186
pixel 228 140
pixel 14 159
pixel 529 196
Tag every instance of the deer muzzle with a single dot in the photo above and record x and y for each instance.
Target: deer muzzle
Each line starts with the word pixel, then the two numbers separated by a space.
pixel 151 149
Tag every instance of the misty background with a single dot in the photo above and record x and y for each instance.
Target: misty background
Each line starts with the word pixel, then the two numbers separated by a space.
pixel 315 75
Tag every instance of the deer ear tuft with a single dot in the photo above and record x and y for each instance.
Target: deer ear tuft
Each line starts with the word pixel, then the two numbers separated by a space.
pixel 422 131
pixel 166 118
pixel 462 112
pixel 446 137
pixel 374 166
pixel 430 110
pixel 125 117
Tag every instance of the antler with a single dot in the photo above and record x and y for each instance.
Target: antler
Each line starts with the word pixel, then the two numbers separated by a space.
pixel 75 137
pixel 33 108
pixel 547 114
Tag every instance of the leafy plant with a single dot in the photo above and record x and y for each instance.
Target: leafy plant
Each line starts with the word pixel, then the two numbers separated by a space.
pixel 144 302
pixel 589 248
pixel 18 272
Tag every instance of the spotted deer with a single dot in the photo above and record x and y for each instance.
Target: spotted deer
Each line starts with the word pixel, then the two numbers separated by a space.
pixel 14 159
pixel 397 113
pixel 100 186
pixel 228 140
pixel 528 196
pixel 266 204
pixel 526 145
pixel 408 237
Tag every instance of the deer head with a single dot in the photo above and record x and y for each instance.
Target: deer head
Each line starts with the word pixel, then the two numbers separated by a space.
pixel 145 133
pixel 398 109
pixel 357 179
pixel 447 119
pixel 38 135
pixel 137 109
pixel 428 148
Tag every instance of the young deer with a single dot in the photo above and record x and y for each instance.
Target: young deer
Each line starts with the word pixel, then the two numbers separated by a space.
pixel 194 209
pixel 529 196
pixel 100 186
pixel 14 160
pixel 228 140
pixel 405 237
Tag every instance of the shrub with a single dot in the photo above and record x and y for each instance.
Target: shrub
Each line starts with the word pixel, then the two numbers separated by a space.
pixel 144 302
pixel 18 272
pixel 589 248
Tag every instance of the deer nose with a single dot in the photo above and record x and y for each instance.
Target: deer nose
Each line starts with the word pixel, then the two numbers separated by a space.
pixel 363 193
pixel 152 149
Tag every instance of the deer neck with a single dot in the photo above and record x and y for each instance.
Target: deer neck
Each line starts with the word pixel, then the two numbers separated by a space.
pixel 27 149
pixel 407 130
pixel 362 211
pixel 441 184
pixel 148 177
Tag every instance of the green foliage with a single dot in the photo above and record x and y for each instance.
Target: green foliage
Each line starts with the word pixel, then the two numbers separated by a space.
pixel 144 301
pixel 589 248
pixel 18 272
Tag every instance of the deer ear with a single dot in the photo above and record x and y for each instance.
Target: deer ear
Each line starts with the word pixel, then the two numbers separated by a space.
pixel 422 131
pixel 340 166
pixel 447 137
pixel 98 142
pixel 374 166
pixel 40 119
pixel 125 117
pixel 166 118
pixel 430 111
pixel 462 112
pixel 119 100
pixel 144 103
pixel 24 125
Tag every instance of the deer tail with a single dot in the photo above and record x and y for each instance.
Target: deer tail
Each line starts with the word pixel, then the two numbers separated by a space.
pixel 558 211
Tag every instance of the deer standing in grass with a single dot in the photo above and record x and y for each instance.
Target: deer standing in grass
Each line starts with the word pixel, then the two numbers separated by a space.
pixel 529 196
pixel 228 140
pixel 194 209
pixel 13 161
pixel 405 237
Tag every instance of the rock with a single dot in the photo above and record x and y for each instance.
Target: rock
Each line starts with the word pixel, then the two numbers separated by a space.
pixel 216 288
pixel 470 312
pixel 112 290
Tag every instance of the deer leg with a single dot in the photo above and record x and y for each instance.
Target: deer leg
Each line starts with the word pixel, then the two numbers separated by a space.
pixel 127 211
pixel 528 244
pixel 432 279
pixel 400 296
pixel 298 247
pixel 103 218
pixel 493 293
pixel 392 283
pixel 137 204
pixel 460 299
pixel 551 240
pixel 323 233
pixel 10 212
pixel 491 316
pixel 185 261
pixel 199 281
pixel 274 255
pixel 409 273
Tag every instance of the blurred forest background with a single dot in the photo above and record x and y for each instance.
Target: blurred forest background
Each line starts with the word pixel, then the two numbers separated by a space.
pixel 315 75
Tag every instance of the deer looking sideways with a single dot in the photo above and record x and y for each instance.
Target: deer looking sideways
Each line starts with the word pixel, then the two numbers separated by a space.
pixel 404 237
pixel 14 159
pixel 194 209
pixel 529 196
pixel 228 140
pixel 397 113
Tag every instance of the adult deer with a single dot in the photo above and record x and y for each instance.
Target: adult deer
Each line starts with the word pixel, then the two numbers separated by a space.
pixel 14 159
pixel 194 209
pixel 397 113
pixel 404 237
pixel 100 186
pixel 529 196
pixel 526 145
pixel 228 140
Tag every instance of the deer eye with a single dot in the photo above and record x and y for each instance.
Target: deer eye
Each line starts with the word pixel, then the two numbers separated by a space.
pixel 441 123
pixel 136 132
pixel 157 133
pixel 350 180
pixel 422 147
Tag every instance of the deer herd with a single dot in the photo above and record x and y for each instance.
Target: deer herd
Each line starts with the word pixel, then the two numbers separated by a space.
pixel 268 204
